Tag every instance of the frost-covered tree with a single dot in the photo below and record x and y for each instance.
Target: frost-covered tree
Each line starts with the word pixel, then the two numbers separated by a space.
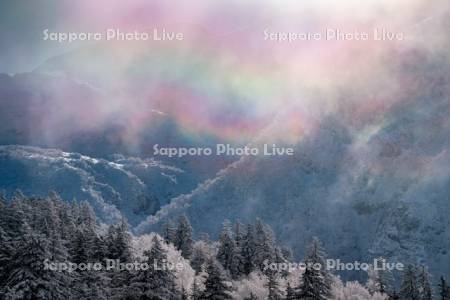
pixel 200 256
pixel 184 294
pixel 238 234
pixel 251 297
pixel 100 248
pixel 287 253
pixel 385 282
pixel 264 244
pixel 217 286
pixel 196 292
pixel 290 292
pixel 6 252
pixel 394 296
pixel 316 280
pixel 423 284
pixel 88 247
pixel 248 249
pixel 28 278
pixel 119 242
pixel 312 285
pixel 409 288
pixel 228 253
pixel 118 246
pixel 273 286
pixel 444 289
pixel 82 246
pixel 12 217
pixel 92 284
pixel 87 216
pixel 353 290
pixel 157 282
pixel 170 232
pixel 83 242
pixel 380 281
pixel 183 239
pixel 2 199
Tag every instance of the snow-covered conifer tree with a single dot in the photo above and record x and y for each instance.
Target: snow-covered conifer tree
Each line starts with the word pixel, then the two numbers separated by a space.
pixel 228 253
pixel 316 280
pixel 409 288
pixel 170 232
pixel 264 245
pixel 158 281
pixel 423 284
pixel 273 286
pixel 290 292
pixel 444 289
pixel 216 285
pixel 248 249
pixel 183 240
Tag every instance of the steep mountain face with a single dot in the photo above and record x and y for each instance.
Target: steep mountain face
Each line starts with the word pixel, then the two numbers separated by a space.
pixel 366 191
pixel 60 112
pixel 136 187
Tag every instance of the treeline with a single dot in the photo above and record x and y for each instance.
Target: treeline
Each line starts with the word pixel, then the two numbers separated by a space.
pixel 35 231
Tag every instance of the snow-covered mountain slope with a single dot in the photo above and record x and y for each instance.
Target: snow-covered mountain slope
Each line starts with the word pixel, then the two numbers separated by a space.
pixel 60 112
pixel 136 187
pixel 381 188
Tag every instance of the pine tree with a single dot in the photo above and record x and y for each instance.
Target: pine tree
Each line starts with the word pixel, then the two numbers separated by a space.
pixel 67 228
pixel 7 247
pixel 29 279
pixel 92 284
pixel 409 288
pixel 100 249
pixel 380 281
pixel 290 292
pixel 251 297
pixel 118 241
pixel 196 293
pixel 110 240
pixel 2 199
pixel 170 232
pixel 238 235
pixel 12 217
pixel 423 284
pixel 444 289
pixel 316 281
pixel 85 236
pixel 228 254
pixel 384 281
pixel 123 242
pixel 264 245
pixel 184 294
pixel 394 296
pixel 81 248
pixel 216 285
pixel 183 240
pixel 87 216
pixel 372 278
pixel 312 285
pixel 157 282
pixel 273 286
pixel 287 253
pixel 200 256
pixel 248 250
pixel 238 259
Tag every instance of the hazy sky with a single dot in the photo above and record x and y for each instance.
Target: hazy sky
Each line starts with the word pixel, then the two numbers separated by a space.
pixel 22 22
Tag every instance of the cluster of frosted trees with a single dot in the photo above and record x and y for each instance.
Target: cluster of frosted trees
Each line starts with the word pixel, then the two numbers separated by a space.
pixel 38 230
